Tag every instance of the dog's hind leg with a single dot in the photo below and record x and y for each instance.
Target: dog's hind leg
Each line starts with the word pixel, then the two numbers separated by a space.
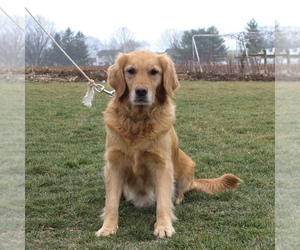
pixel 182 186
pixel 184 175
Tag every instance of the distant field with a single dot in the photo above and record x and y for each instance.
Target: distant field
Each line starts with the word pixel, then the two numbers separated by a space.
pixel 225 127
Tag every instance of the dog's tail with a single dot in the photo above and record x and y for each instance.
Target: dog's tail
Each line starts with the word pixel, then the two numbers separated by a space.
pixel 212 186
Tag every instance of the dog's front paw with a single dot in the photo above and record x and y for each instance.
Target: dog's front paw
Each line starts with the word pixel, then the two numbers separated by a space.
pixel 163 231
pixel 106 231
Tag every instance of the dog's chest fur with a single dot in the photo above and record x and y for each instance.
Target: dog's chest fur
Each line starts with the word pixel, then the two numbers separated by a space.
pixel 136 145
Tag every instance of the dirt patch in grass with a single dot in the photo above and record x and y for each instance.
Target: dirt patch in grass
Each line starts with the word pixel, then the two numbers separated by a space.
pixel 65 73
pixel 99 74
pixel 214 77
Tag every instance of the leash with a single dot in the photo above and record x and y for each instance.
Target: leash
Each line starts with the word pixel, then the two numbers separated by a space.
pixel 92 86
pixel 12 19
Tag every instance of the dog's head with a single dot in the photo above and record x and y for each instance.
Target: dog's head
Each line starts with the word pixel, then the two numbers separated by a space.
pixel 143 77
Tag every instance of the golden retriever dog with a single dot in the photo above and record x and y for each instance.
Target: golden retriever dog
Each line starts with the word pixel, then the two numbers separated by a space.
pixel 143 159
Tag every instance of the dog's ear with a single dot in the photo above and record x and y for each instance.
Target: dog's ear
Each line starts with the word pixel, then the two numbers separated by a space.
pixel 170 81
pixel 116 77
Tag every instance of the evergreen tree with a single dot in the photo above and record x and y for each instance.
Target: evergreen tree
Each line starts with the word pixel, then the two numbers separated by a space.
pixel 67 43
pixel 53 56
pixel 255 40
pixel 209 47
pixel 81 52
pixel 74 46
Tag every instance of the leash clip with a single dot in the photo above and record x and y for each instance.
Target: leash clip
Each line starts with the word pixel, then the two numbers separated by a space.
pixel 102 89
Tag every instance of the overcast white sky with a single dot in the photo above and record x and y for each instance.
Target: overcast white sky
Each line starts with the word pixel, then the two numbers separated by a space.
pixel 148 19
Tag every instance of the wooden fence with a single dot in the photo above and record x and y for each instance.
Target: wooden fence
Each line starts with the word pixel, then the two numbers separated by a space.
pixel 281 64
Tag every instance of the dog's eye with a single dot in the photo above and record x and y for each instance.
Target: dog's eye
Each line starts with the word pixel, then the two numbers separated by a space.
pixel 131 71
pixel 153 72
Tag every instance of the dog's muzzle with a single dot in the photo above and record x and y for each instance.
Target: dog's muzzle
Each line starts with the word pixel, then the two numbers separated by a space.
pixel 141 96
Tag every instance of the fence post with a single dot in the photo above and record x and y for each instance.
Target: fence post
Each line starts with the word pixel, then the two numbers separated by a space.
pixel 288 60
pixel 242 61
pixel 265 61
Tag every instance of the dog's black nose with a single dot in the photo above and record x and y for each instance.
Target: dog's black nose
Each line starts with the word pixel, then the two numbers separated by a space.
pixel 141 91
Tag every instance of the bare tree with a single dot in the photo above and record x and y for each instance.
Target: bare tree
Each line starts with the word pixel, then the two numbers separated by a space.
pixel 94 45
pixel 124 40
pixel 170 39
pixel 110 44
pixel 36 41
pixel 123 36
pixel 12 42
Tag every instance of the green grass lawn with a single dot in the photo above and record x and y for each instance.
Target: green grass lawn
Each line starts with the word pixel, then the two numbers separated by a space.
pixel 225 127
